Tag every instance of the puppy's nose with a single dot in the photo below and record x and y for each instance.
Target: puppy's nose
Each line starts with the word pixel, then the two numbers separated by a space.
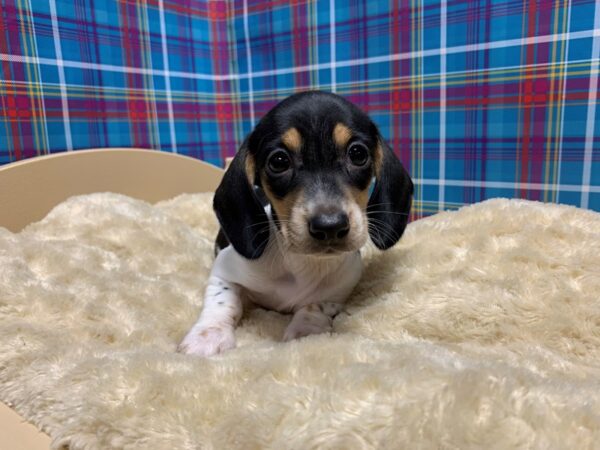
pixel 329 226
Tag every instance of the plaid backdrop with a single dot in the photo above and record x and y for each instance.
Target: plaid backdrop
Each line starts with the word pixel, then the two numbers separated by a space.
pixel 479 98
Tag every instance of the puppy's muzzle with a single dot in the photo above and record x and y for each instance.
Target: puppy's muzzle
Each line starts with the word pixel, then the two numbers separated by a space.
pixel 329 226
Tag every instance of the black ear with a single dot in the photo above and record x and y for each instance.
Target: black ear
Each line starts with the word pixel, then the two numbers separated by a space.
pixel 390 202
pixel 238 209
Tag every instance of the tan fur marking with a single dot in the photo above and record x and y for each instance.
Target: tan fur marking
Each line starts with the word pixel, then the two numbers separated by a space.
pixel 250 169
pixel 341 135
pixel 312 308
pixel 361 197
pixel 292 139
pixel 378 159
pixel 283 206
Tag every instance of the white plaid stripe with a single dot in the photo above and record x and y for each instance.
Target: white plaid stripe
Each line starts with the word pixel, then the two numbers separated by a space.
pixel 591 112
pixel 61 76
pixel 249 58
pixel 332 55
pixel 338 64
pixel 165 55
pixel 44 145
pixel 442 157
pixel 562 108
pixel 510 185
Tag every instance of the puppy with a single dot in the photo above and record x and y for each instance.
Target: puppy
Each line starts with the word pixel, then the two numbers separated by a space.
pixel 294 209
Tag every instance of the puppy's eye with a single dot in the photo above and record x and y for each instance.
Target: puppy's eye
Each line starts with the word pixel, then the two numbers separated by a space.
pixel 279 161
pixel 358 154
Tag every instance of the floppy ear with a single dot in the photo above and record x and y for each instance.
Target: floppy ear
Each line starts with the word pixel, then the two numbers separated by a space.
pixel 390 202
pixel 238 209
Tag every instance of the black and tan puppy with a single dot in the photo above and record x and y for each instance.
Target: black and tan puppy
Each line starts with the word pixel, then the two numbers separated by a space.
pixel 295 207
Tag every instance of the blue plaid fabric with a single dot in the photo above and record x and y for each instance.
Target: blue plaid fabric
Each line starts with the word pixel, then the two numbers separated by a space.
pixel 479 99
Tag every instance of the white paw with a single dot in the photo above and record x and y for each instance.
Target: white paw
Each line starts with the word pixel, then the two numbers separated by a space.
pixel 331 309
pixel 305 325
pixel 207 341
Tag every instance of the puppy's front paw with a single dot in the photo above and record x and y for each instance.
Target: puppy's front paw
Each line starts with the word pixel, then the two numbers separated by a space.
pixel 293 332
pixel 207 341
pixel 305 325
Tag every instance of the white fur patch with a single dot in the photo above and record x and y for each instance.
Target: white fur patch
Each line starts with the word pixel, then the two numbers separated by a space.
pixel 306 322
pixel 480 329
pixel 207 341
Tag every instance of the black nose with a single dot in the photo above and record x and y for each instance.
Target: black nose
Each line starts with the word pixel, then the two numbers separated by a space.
pixel 329 226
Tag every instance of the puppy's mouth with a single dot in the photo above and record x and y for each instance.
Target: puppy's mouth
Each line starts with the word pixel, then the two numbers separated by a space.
pixel 307 245
pixel 331 249
pixel 321 250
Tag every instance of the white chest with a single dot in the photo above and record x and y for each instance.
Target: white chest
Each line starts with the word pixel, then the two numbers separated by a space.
pixel 286 284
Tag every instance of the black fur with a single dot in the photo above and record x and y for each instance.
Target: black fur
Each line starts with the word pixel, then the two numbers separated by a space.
pixel 319 166
pixel 221 242
pixel 390 201
pixel 240 212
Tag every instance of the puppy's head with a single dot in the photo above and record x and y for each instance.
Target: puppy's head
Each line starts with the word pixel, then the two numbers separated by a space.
pixel 314 155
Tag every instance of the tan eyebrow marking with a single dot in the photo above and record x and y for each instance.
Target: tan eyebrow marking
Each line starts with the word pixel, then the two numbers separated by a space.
pixel 341 135
pixel 292 139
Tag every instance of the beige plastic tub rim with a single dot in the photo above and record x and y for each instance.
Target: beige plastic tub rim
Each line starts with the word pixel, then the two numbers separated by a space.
pixel 29 189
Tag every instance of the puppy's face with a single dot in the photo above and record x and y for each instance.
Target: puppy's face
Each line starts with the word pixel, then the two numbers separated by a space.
pixel 315 155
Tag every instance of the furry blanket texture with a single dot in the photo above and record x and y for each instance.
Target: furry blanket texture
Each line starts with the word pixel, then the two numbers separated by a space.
pixel 480 329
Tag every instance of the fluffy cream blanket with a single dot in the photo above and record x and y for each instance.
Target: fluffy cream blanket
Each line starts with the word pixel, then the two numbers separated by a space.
pixel 481 329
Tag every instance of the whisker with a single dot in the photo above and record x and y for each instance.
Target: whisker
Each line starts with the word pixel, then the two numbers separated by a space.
pixel 389 232
pixel 379 204
pixel 264 222
pixel 386 212
pixel 255 253
pixel 378 221
pixel 259 232
pixel 375 230
pixel 376 226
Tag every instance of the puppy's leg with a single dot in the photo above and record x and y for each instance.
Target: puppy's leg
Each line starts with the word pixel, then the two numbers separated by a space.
pixel 213 332
pixel 312 319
